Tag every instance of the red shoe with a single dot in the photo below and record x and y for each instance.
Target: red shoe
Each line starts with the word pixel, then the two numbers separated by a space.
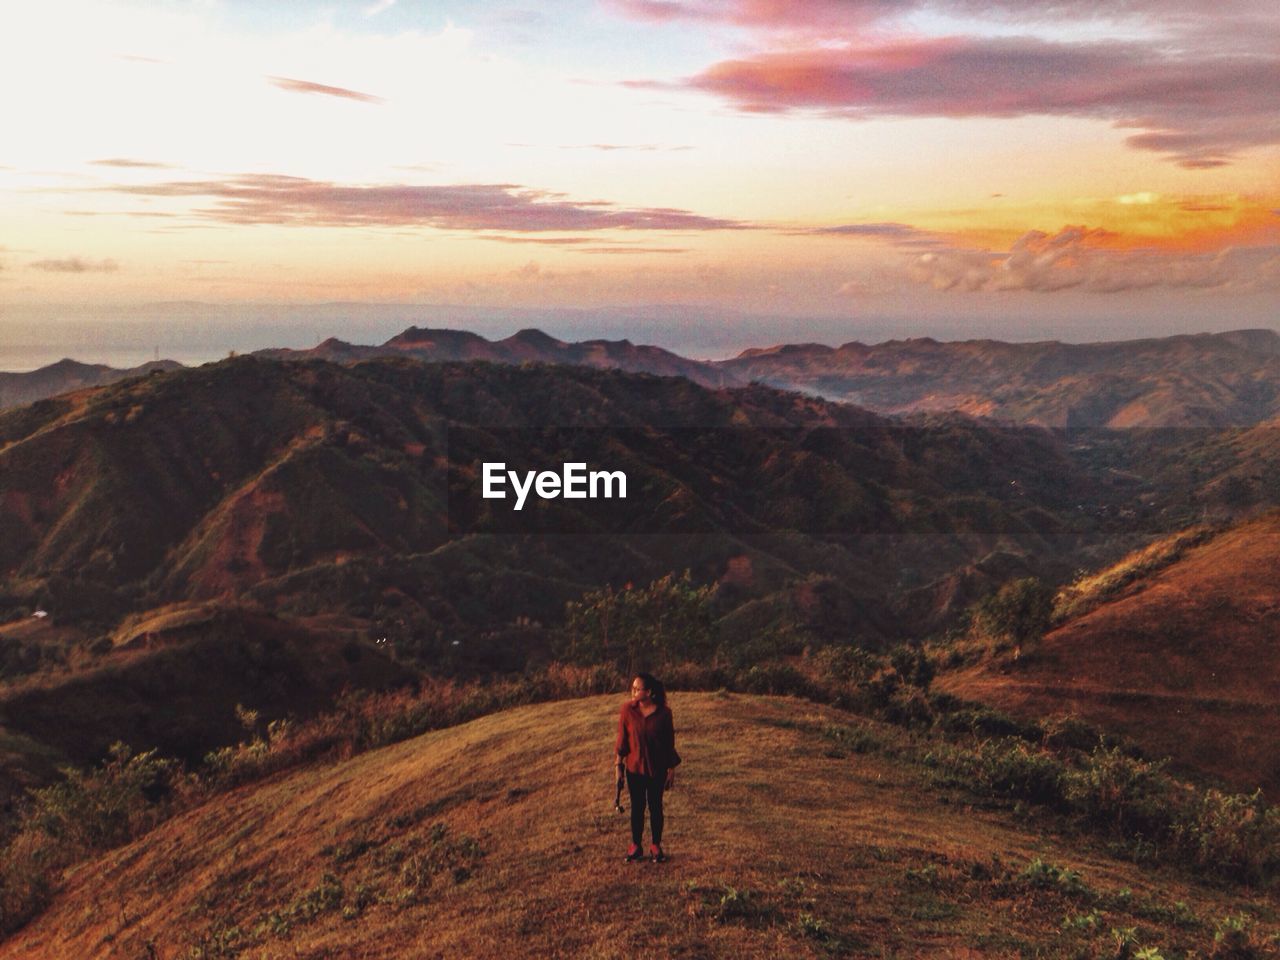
pixel 656 855
pixel 633 854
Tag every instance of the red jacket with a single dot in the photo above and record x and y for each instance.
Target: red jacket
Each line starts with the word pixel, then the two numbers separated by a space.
pixel 647 745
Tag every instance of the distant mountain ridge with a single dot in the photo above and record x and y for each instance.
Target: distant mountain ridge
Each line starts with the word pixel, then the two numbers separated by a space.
pixel 300 485
pixel 1195 380
pixel 1208 380
pixel 526 346
pixel 66 375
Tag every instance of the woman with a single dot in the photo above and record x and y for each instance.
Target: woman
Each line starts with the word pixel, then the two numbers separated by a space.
pixel 646 751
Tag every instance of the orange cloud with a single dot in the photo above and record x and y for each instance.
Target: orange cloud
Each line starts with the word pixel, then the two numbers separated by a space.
pixel 1086 258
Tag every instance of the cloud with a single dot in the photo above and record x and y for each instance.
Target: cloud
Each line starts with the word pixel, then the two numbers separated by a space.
pixel 1231 18
pixel 75 265
pixel 267 198
pixel 1200 110
pixel 306 86
pixel 379 6
pixel 626 249
pixel 125 163
pixel 548 241
pixel 1198 88
pixel 1080 258
pixel 900 234
pixel 611 147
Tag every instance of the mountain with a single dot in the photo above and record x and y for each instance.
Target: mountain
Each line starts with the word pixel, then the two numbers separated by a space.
pixel 1178 654
pixel 1192 381
pixel 67 375
pixel 189 667
pixel 1201 380
pixel 316 488
pixel 527 346
pixel 454 844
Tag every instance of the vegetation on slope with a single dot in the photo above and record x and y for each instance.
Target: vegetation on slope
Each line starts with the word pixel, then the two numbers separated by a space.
pixel 1174 647
pixel 840 844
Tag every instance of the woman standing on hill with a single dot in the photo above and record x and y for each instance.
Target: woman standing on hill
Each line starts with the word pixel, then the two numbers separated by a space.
pixel 646 752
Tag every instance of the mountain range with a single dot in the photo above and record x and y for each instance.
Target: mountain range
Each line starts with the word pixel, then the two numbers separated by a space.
pixel 1201 381
pixel 190 553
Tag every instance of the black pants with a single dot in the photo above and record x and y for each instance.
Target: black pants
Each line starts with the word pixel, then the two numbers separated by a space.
pixel 646 790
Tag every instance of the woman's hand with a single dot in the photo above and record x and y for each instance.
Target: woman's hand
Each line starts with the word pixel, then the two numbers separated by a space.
pixel 671 779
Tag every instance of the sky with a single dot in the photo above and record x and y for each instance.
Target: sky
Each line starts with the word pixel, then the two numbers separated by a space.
pixel 706 174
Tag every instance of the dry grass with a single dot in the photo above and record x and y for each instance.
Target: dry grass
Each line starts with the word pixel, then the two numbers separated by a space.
pixel 1087 592
pixel 790 834
pixel 1186 665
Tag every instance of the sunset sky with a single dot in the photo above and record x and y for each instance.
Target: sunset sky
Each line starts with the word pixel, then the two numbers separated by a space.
pixel 1020 168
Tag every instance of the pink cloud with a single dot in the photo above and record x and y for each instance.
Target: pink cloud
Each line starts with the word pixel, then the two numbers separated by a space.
pixel 267 198
pixel 1198 110
pixel 1201 89
pixel 126 163
pixel 1229 18
pixel 306 86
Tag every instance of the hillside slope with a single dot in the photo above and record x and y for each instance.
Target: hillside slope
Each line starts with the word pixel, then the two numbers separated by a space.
pixel 454 845
pixel 67 375
pixel 526 346
pixel 314 487
pixel 1201 380
pixel 1184 660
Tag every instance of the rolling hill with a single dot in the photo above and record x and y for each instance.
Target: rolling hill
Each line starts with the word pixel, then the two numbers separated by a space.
pixel 245 508
pixel 451 844
pixel 1201 380
pixel 1182 658
pixel 65 376
pixel 319 488
pixel 526 346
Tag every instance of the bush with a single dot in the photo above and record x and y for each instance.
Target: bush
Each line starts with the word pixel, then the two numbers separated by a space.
pixel 1233 939
pixel 1129 795
pixel 1233 835
pixel 913 666
pixel 1017 613
pixel 778 679
pixel 1014 768
pixel 96 810
pixel 88 811
pixel 1041 875
pixel 667 621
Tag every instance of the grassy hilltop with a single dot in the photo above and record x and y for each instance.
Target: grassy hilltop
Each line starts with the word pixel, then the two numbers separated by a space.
pixel 794 830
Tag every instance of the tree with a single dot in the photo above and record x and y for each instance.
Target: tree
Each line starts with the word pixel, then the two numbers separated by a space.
pixel 667 621
pixel 1017 613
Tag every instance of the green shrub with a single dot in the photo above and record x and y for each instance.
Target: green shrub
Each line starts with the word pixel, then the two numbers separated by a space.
pixel 638 627
pixel 87 811
pixel 1129 795
pixel 1015 768
pixel 96 810
pixel 778 679
pixel 1236 836
pixel 1018 613
pixel 913 666
pixel 1041 875
pixel 1233 939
